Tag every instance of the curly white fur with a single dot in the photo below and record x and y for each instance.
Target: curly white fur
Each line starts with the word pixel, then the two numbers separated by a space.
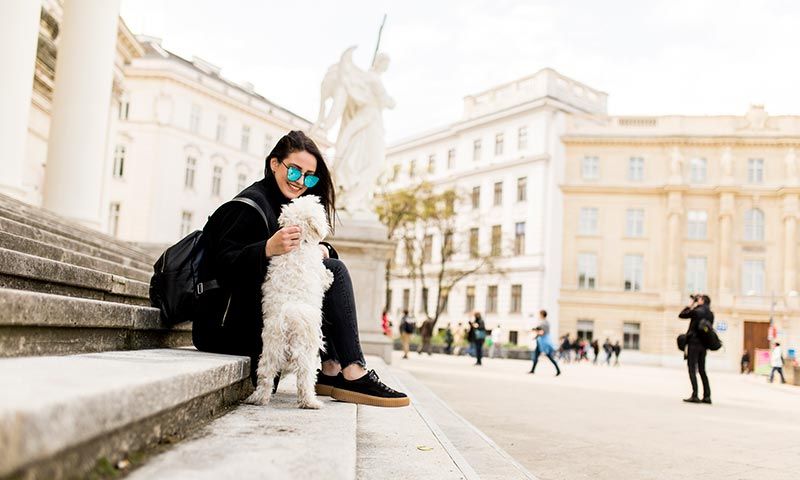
pixel 292 306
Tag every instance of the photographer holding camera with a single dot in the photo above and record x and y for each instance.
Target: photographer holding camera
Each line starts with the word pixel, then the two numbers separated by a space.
pixel 697 311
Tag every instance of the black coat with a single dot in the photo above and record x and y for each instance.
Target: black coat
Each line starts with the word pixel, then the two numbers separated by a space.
pixel 694 315
pixel 236 238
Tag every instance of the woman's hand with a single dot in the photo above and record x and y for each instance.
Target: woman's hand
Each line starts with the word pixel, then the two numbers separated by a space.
pixel 324 251
pixel 284 241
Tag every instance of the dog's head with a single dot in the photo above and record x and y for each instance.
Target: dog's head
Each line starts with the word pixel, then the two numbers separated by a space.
pixel 307 213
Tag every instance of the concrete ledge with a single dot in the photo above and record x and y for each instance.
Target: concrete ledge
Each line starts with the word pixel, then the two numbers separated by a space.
pixel 278 441
pixel 35 323
pixel 29 272
pixel 57 253
pixel 58 415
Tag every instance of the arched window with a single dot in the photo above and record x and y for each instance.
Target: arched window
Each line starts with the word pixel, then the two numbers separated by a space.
pixel 754 225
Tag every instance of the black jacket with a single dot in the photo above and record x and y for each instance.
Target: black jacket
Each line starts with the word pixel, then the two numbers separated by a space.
pixel 695 315
pixel 236 238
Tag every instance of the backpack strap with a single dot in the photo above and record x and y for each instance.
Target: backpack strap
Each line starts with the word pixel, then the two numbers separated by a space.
pixel 214 284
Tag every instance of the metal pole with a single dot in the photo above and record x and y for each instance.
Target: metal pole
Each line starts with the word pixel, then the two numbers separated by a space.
pixel 378 44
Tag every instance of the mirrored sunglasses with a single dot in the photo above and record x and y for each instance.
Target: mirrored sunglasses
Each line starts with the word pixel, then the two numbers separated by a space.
pixel 294 174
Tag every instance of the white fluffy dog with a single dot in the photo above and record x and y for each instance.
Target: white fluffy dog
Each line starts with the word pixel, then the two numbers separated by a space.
pixel 292 305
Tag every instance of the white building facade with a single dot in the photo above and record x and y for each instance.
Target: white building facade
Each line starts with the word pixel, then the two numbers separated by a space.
pixel 506 159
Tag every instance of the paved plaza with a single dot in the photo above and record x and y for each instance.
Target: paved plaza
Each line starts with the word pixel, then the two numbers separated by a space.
pixel 626 422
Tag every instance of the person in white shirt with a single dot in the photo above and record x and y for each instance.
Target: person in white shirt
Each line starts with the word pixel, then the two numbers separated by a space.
pixel 776 360
pixel 497 339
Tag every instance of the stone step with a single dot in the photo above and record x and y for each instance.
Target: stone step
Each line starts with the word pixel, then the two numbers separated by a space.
pixel 35 323
pixel 62 416
pixel 43 236
pixel 28 272
pixel 340 441
pixel 48 221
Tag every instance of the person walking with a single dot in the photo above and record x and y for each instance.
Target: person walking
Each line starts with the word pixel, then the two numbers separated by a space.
pixel 386 323
pixel 448 340
pixel 478 337
pixel 497 339
pixel 458 338
pixel 698 311
pixel 564 350
pixel 544 344
pixel 776 360
pixel 609 350
pixel 426 331
pixel 596 350
pixel 406 329
pixel 744 363
pixel 617 349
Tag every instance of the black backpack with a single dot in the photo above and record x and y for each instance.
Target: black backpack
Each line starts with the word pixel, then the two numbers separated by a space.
pixel 708 336
pixel 176 287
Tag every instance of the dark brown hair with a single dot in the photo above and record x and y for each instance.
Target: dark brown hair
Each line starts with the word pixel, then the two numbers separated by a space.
pixel 297 141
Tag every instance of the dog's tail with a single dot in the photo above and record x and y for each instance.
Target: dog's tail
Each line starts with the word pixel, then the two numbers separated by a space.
pixel 302 325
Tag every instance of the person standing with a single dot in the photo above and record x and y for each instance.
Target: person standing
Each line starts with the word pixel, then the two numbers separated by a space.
pixel 406 329
pixel 544 344
pixel 448 340
pixel 565 348
pixel 458 338
pixel 609 350
pixel 426 331
pixel 497 339
pixel 776 360
pixel 699 310
pixel 617 349
pixel 596 349
pixel 386 324
pixel 744 364
pixel 478 337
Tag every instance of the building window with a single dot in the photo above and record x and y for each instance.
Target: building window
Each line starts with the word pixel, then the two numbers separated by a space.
pixel 587 270
pixel 268 144
pixel 188 176
pixel 241 182
pixel 186 223
pixel 473 243
pixel 755 170
pixel 395 172
pixel 519 238
pixel 513 337
pixel 754 225
pixel 245 145
pixel 119 162
pixel 124 110
pixel 194 118
pixel 427 248
pixel 216 181
pixel 476 197
pixel 696 275
pixel 634 225
pixel 587 221
pixel 113 219
pixel 522 189
pixel 697 170
pixel 451 159
pixel 753 277
pixel 522 138
pixel 630 336
pixel 469 301
pixel 431 163
pixel 412 168
pixel 491 299
pixel 406 298
pixel 498 194
pixel 590 168
pixel 448 244
pixel 516 299
pixel 388 300
pixel 425 293
pixel 444 298
pixel 697 224
pixel 634 272
pixel 497 237
pixel 585 330
pixel 636 169
pixel 221 124
pixel 498 144
pixel 476 150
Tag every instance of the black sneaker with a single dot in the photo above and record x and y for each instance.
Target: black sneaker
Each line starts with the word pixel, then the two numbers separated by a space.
pixel 692 399
pixel 325 383
pixel 706 400
pixel 368 390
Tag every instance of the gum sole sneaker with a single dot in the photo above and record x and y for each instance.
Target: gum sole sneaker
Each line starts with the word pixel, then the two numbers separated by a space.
pixel 369 390
pixel 325 383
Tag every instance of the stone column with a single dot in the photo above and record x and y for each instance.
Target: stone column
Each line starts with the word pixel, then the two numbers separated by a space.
pixel 790 210
pixel 19 32
pixel 674 258
pixel 725 239
pixel 79 123
pixel 363 247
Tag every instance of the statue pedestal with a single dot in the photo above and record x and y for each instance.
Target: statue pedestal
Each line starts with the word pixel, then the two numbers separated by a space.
pixel 362 246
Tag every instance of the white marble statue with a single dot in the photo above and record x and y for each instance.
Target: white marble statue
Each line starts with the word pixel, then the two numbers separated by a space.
pixel 357 101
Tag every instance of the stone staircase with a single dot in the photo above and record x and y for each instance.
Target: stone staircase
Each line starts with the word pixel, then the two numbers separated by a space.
pixel 93 384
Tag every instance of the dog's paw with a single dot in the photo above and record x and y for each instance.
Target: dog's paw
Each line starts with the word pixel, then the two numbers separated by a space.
pixel 257 398
pixel 309 403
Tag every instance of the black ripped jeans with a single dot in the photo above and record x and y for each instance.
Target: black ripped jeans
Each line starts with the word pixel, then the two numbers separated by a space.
pixel 339 321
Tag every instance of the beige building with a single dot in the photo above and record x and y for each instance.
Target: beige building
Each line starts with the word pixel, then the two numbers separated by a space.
pixel 658 207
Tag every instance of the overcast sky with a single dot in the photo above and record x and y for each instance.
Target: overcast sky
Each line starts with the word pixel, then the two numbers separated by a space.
pixel 691 57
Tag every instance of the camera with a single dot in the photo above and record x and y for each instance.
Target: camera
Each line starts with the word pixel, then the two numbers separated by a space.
pixel 694 297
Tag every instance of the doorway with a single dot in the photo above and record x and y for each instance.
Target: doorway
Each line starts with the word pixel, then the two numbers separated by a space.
pixel 755 336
